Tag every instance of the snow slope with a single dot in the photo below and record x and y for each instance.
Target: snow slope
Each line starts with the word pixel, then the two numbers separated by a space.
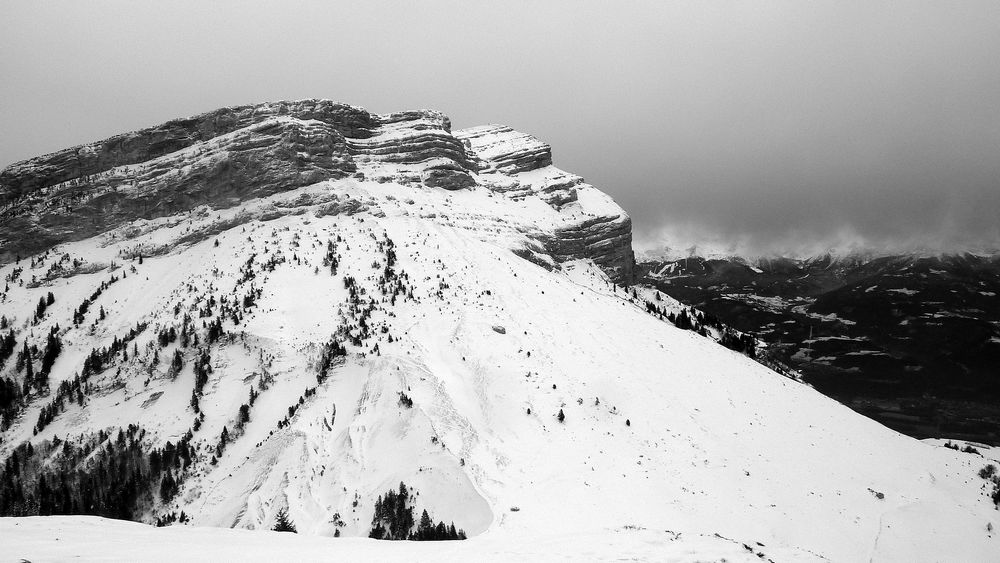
pixel 86 538
pixel 664 430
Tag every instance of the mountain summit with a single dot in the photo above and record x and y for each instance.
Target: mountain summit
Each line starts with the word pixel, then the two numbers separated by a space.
pixel 232 155
pixel 305 314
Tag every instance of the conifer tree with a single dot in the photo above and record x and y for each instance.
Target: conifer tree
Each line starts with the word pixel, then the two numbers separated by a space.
pixel 7 345
pixel 283 524
pixel 29 374
pixel 177 363
pixel 425 529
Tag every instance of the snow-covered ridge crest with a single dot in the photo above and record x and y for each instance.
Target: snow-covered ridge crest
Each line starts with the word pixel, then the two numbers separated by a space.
pixel 233 155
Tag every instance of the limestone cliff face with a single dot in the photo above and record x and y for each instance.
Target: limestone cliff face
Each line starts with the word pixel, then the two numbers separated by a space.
pixel 507 151
pixel 78 163
pixel 594 226
pixel 421 141
pixel 605 240
pixel 232 155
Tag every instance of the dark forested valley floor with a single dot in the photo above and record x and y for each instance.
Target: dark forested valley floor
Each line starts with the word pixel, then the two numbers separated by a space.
pixel 913 342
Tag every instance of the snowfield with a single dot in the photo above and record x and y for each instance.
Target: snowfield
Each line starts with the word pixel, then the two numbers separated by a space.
pixel 88 538
pixel 673 448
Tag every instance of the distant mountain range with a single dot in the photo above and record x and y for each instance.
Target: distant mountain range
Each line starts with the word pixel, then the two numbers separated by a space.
pixel 910 340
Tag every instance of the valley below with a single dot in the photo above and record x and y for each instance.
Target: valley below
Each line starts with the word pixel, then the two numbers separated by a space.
pixel 911 341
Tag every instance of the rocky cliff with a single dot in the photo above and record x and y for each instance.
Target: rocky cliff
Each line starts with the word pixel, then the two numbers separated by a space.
pixel 602 232
pixel 237 154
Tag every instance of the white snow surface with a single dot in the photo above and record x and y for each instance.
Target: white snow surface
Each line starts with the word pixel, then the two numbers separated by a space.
pixel 718 451
pixel 86 538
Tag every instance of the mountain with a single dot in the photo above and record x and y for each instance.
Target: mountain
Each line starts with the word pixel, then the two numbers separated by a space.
pixel 303 311
pixel 910 340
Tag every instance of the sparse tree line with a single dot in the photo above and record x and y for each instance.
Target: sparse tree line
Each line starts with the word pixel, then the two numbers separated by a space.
pixel 697 321
pixel 331 259
pixel 330 352
pixel 357 329
pixel 43 304
pixel 75 389
pixel 13 396
pixel 81 311
pixel 992 478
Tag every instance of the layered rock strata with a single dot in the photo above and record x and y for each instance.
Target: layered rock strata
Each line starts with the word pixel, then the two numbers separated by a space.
pixel 231 155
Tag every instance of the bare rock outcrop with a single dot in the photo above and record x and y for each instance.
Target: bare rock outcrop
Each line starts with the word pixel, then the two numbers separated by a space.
pixel 506 150
pixel 594 226
pixel 231 155
pixel 422 139
pixel 605 240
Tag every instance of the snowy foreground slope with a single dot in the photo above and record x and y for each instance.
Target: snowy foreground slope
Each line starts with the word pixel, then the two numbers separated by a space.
pixel 460 353
pixel 88 538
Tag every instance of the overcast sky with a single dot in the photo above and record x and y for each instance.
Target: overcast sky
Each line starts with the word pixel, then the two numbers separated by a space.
pixel 771 126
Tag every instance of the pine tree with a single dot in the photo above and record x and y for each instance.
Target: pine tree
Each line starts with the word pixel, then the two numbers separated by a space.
pixel 177 363
pixel 282 523
pixel 29 375
pixel 53 347
pixel 425 530
pixel 244 415
pixel 223 440
pixel 168 487
pixel 561 416
pixel 7 345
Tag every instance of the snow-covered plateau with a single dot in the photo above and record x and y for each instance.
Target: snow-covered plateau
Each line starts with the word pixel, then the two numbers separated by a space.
pixel 280 309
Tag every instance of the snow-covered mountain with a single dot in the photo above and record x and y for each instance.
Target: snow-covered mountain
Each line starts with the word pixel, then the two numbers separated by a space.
pixel 296 307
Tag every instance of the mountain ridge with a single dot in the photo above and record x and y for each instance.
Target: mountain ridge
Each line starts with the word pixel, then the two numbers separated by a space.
pixel 861 255
pixel 229 155
pixel 309 349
